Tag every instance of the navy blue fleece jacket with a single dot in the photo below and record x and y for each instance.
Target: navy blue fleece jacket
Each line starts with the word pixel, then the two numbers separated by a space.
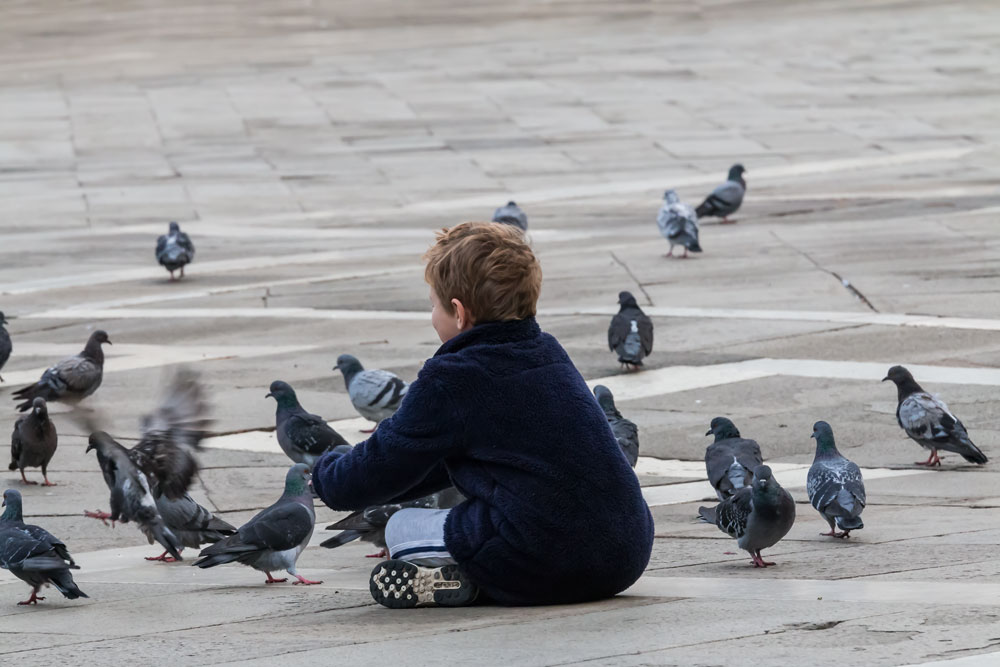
pixel 554 512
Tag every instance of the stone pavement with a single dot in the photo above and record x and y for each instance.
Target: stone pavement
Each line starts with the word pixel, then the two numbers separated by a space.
pixel 311 148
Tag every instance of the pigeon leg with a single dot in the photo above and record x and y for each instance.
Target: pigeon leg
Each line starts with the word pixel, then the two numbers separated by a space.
pixel 381 554
pixel 165 557
pixel 302 580
pixel 33 599
pixel 24 479
pixel 171 275
pixel 932 460
pixel 671 253
pixel 685 255
pixel 761 561
pixel 727 221
pixel 182 272
pixel 834 533
pixel 45 476
pixel 98 514
pixel 272 580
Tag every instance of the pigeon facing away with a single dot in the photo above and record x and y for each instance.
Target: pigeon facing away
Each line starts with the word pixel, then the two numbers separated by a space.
pixel 174 250
pixel 835 486
pixel 274 539
pixel 757 516
pixel 33 555
pixel 727 198
pixel 511 214
pixel 927 420
pixel 5 344
pixel 375 394
pixel 72 379
pixel 34 441
pixel 303 437
pixel 369 524
pixel 626 432
pixel 678 224
pixel 631 332
pixel 730 460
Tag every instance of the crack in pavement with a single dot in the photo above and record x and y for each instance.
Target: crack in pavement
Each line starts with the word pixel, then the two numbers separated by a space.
pixel 843 281
pixel 622 264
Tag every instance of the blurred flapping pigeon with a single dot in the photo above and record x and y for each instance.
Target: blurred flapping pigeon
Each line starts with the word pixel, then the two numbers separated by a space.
pixel 626 432
pixel 303 437
pixel 678 224
pixel 375 394
pixel 34 441
pixel 274 538
pixel 174 250
pixel 927 420
pixel 5 344
pixel 72 379
pixel 511 214
pixel 835 486
pixel 730 460
pixel 727 198
pixel 758 516
pixel 631 332
pixel 33 555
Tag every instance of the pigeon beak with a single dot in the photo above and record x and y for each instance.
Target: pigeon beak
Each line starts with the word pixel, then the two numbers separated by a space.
pixel 109 342
pixel 885 378
pixel 813 435
pixel 269 395
pixel 708 432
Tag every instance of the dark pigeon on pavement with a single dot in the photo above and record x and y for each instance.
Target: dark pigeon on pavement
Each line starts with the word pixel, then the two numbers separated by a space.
pixel 274 538
pixel 13 515
pixel 630 335
pixel 928 421
pixel 302 436
pixel 192 524
pixel 174 250
pixel 758 516
pixel 834 485
pixel 626 432
pixel 678 224
pixel 72 379
pixel 511 214
pixel 731 459
pixel 5 345
pixel 33 442
pixel 726 198
pixel 375 394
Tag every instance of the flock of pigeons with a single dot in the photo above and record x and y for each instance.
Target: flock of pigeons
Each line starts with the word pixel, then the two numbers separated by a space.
pixel 149 483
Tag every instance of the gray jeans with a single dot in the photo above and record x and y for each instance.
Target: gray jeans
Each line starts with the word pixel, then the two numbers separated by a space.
pixel 417 535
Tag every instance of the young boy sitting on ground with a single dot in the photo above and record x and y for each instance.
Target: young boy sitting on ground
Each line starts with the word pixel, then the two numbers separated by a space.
pixel 554 513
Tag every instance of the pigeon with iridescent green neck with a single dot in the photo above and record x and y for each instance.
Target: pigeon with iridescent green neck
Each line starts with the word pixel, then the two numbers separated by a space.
pixel 834 485
pixel 304 437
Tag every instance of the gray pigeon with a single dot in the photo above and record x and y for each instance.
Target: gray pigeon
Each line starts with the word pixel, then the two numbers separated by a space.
pixel 630 334
pixel 5 344
pixel 33 555
pixel 927 420
pixel 72 379
pixel 34 441
pixel 678 224
pixel 174 250
pixel 375 394
pixel 369 524
pixel 626 432
pixel 757 516
pixel 834 485
pixel 730 460
pixel 191 524
pixel 511 214
pixel 725 199
pixel 303 437
pixel 274 538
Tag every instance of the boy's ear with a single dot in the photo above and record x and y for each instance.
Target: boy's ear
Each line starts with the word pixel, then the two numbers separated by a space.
pixel 463 318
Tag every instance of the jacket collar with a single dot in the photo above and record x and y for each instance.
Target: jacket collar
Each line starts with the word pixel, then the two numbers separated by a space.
pixel 492 333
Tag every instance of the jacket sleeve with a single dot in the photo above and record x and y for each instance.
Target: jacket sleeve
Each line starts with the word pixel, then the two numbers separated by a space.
pixel 405 454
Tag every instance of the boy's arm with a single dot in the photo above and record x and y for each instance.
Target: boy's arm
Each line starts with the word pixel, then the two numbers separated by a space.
pixel 405 452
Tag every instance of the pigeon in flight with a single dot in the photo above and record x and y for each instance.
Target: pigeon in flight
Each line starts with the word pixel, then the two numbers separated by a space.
pixel 5 344
pixel 626 432
pixel 303 437
pixel 174 250
pixel 678 224
pixel 34 441
pixel 375 394
pixel 758 516
pixel 72 379
pixel 730 460
pixel 927 420
pixel 631 332
pixel 274 539
pixel 511 214
pixel 725 199
pixel 33 555
pixel 834 485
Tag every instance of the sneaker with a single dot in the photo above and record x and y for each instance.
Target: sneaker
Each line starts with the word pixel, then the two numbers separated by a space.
pixel 399 584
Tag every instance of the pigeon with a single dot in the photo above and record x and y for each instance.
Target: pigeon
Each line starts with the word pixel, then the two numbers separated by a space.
pixel 725 199
pixel 303 437
pixel 631 332
pixel 834 485
pixel 33 555
pixel 174 249
pixel 191 524
pixel 678 224
pixel 511 214
pixel 275 537
pixel 5 344
pixel 730 460
pixel 927 420
pixel 72 379
pixel 34 441
pixel 758 516
pixel 376 394
pixel 369 524
pixel 626 432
